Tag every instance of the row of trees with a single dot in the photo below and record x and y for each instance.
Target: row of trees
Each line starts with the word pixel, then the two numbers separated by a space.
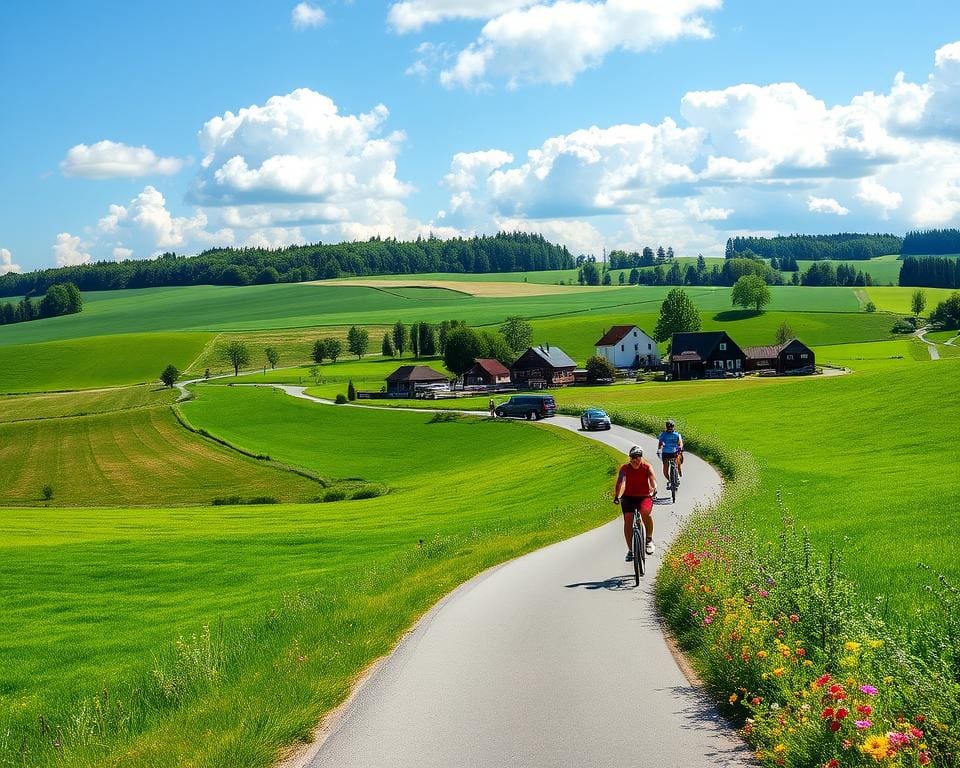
pixel 60 299
pixel 824 273
pixel 620 259
pixel 503 252
pixel 844 246
pixel 933 242
pixel 930 272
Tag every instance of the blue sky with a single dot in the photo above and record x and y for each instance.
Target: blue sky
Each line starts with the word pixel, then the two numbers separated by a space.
pixel 129 129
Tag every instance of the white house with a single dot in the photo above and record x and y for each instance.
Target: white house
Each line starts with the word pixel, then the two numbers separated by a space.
pixel 627 346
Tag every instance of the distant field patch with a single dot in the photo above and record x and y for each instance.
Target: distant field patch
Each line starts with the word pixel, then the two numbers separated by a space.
pixel 57 404
pixel 897 299
pixel 99 361
pixel 883 270
pixel 469 287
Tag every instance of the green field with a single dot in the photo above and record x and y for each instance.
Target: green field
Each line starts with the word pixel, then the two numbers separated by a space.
pixel 95 362
pixel 884 270
pixel 898 299
pixel 341 580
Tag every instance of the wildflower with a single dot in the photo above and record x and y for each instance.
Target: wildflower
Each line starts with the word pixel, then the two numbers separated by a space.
pixel 821 681
pixel 827 713
pixel 756 701
pixel 864 709
pixel 780 749
pixel 733 698
pixel 916 733
pixel 842 713
pixel 923 758
pixel 779 671
pixel 875 643
pixel 878 747
pixel 846 744
pixel 868 689
pixel 862 724
pixel 764 593
pixel 761 654
pixel 801 652
pixel 832 763
pixel 834 725
pixel 851 646
pixel 898 740
pixel 794 618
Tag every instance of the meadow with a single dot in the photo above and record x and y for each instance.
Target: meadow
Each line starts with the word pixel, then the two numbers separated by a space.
pixel 225 632
pixel 884 270
pixel 897 300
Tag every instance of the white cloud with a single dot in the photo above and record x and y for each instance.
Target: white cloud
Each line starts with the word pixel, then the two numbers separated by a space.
pixel 413 15
pixel 578 236
pixel 699 213
pixel 110 160
pixel 298 147
pixel 69 250
pixel 875 194
pixel 305 16
pixel 554 42
pixel 826 205
pixel 121 254
pixel 6 262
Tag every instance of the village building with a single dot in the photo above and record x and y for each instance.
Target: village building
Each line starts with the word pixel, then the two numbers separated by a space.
pixel 541 367
pixel 704 355
pixel 487 372
pixel 792 356
pixel 627 346
pixel 404 381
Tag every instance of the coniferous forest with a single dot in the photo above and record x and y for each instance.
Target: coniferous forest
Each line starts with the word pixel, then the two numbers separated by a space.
pixel 931 242
pixel 503 252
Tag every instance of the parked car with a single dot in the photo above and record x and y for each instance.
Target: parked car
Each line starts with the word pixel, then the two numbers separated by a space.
pixel 528 407
pixel 594 418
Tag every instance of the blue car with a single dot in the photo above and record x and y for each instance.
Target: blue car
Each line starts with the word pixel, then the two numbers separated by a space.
pixel 594 418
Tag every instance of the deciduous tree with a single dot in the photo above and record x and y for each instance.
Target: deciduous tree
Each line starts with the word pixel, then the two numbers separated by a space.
pixel 386 347
pixel 237 354
pixel 678 314
pixel 918 302
pixel 599 368
pixel 358 340
pixel 518 333
pixel 170 375
pixel 400 338
pixel 751 291
pixel 273 356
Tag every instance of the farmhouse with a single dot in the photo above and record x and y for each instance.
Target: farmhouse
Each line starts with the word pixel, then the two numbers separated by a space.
pixel 705 355
pixel 487 372
pixel 541 367
pixel 790 357
pixel 627 346
pixel 404 381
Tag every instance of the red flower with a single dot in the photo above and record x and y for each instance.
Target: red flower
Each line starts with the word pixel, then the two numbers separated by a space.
pixel 842 713
pixel 794 618
pixel 865 709
pixel 756 701
pixel 827 713
pixel 834 725
pixel 832 763
pixel 916 733
pixel 924 758
pixel 822 680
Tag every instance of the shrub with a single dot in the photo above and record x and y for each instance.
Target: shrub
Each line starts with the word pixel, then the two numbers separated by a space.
pixel 351 391
pixel 600 369
pixel 871 307
pixel 341 399
pixel 334 495
pixel 444 417
pixel 368 492
pixel 903 326
pixel 263 500
pixel 47 492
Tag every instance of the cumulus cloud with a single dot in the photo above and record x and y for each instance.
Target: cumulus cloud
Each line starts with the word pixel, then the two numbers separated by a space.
pixel 305 16
pixel 709 213
pixel 873 193
pixel 413 15
pixel 111 160
pixel 826 205
pixel 6 262
pixel 554 42
pixel 69 250
pixel 298 147
pixel 121 254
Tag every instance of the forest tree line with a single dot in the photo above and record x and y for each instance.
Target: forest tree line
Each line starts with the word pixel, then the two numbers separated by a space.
pixel 503 252
pixel 843 246
pixel 932 242
pixel 930 272
pixel 60 299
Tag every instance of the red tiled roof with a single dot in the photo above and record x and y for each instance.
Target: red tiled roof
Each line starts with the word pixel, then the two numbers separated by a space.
pixel 614 335
pixel 491 366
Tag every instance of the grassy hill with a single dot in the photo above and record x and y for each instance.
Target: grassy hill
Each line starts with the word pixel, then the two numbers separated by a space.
pixel 308 594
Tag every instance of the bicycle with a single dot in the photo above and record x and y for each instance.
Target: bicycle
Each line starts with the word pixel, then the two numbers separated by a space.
pixel 673 479
pixel 639 539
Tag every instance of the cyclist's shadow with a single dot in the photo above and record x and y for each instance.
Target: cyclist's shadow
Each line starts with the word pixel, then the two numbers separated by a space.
pixel 613 584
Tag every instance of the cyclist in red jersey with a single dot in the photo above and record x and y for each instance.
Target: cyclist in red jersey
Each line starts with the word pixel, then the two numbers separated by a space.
pixel 634 491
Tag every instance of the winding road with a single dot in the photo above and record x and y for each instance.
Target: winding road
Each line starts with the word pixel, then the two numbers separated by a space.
pixel 552 659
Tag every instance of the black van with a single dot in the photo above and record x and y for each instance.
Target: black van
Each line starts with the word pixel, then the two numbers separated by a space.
pixel 528 407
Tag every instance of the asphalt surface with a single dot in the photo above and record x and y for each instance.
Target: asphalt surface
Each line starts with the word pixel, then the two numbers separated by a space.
pixel 553 659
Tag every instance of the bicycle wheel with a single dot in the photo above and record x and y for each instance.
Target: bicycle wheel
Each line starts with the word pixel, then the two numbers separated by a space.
pixel 638 554
pixel 674 481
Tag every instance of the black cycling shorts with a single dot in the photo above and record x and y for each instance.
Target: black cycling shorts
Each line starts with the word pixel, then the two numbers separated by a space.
pixel 633 504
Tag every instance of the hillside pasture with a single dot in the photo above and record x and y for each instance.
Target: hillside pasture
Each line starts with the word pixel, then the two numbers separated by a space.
pixel 58 404
pixel 297 598
pixel 483 288
pixel 99 361
pixel 883 270
pixel 897 299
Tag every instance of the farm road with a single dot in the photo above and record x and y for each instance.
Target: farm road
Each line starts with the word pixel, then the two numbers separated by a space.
pixel 553 659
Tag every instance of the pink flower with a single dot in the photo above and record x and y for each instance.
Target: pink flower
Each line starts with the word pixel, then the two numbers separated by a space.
pixel 898 739
pixel 863 724
pixel 868 689
pixel 764 593
pixel 794 618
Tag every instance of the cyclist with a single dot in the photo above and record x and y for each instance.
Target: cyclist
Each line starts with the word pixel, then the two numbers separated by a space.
pixel 670 446
pixel 634 491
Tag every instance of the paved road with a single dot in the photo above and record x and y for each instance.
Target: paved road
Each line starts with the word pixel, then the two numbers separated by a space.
pixel 553 659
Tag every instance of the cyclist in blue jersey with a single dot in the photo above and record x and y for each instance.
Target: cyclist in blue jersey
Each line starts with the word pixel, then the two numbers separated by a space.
pixel 670 446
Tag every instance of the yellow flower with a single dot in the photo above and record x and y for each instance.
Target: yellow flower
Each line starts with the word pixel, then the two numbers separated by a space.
pixel 761 654
pixel 780 671
pixel 780 749
pixel 875 643
pixel 733 698
pixel 878 747
pixel 852 646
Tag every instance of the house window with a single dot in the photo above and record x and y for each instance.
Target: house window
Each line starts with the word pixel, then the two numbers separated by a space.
pixel 719 364
pixel 738 362
pixel 649 347
pixel 789 357
pixel 621 347
pixel 729 365
pixel 636 347
pixel 804 355
pixel 634 334
pixel 723 346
